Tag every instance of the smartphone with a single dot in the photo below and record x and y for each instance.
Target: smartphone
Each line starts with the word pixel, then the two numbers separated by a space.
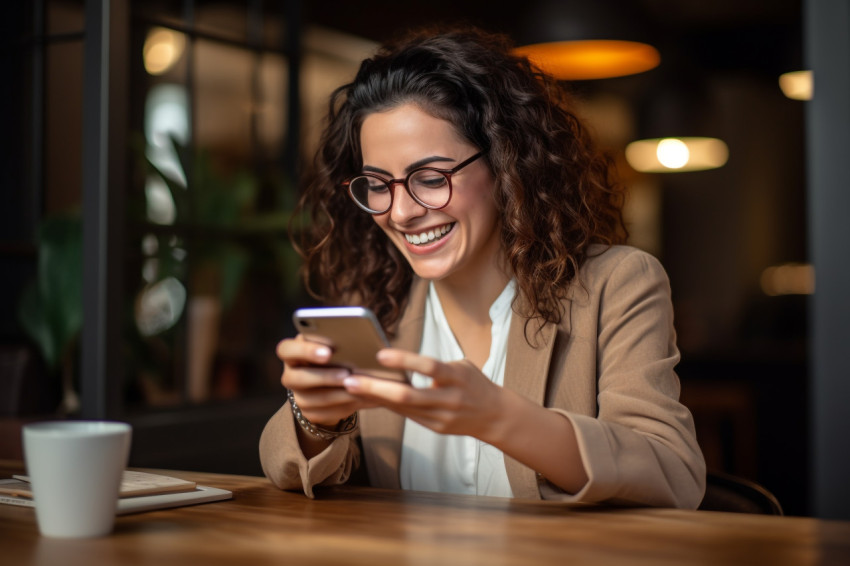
pixel 354 336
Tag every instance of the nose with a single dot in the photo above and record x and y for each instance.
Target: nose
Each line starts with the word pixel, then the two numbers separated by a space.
pixel 403 206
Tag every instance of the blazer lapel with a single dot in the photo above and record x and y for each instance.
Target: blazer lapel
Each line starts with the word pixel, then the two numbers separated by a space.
pixel 526 372
pixel 381 429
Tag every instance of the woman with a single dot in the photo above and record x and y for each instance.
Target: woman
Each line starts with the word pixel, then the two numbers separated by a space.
pixel 457 196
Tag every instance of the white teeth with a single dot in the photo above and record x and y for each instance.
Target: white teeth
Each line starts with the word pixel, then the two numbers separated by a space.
pixel 429 236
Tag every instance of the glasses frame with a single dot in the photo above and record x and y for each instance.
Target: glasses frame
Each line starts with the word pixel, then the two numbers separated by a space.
pixel 447 173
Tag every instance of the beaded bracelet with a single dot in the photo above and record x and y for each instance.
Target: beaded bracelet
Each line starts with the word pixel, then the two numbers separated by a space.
pixel 345 426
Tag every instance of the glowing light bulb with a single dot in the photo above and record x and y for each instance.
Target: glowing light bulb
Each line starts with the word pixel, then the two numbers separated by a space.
pixel 673 153
pixel 798 85
pixel 163 48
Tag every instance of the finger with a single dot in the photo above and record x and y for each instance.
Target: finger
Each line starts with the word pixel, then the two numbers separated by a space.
pixel 383 390
pixel 328 405
pixel 441 373
pixel 299 378
pixel 424 406
pixel 327 415
pixel 298 351
pixel 326 398
pixel 339 410
pixel 400 397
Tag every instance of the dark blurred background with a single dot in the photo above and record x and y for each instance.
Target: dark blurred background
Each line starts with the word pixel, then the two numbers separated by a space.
pixel 177 130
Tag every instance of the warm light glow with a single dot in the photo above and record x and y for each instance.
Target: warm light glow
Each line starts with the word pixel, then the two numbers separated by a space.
pixel 591 59
pixel 788 279
pixel 670 155
pixel 163 48
pixel 798 85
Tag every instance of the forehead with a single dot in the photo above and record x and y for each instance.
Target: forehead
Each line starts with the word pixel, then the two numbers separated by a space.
pixel 407 128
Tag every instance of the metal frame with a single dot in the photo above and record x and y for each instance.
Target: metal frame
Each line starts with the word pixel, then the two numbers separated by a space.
pixel 104 172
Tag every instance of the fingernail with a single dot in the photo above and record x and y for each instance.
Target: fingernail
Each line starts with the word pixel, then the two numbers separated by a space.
pixel 351 383
pixel 323 352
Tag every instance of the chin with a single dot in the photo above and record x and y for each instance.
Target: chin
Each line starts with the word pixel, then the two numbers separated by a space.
pixel 431 273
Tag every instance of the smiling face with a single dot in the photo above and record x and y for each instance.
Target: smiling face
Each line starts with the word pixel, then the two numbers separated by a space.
pixel 458 243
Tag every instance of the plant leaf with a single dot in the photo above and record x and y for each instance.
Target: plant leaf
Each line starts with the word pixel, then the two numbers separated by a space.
pixel 233 261
pixel 34 321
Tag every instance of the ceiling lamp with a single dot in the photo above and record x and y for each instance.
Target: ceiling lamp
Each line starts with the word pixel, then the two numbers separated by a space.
pixel 680 103
pixel 591 58
pixel 798 85
pixel 674 155
pixel 581 40
pixel 788 279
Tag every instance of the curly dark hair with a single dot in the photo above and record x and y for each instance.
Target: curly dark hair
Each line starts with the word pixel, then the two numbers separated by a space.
pixel 554 190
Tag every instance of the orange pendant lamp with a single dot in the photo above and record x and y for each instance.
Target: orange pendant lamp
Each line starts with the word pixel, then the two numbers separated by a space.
pixel 587 39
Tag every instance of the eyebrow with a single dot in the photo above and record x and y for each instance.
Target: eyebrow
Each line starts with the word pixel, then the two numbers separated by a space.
pixel 415 165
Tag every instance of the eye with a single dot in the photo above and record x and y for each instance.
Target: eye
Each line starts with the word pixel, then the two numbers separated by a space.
pixel 367 184
pixel 376 186
pixel 428 179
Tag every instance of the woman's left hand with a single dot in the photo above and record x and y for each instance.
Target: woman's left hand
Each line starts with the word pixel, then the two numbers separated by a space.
pixel 461 400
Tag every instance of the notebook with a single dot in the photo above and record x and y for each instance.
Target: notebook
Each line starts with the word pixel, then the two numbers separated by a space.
pixel 140 491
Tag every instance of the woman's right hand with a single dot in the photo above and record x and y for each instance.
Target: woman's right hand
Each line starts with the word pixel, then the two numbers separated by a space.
pixel 316 387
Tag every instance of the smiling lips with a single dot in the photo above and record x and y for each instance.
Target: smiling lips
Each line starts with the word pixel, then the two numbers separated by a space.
pixel 429 236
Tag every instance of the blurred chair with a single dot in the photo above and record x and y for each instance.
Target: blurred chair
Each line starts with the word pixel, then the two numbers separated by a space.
pixel 733 494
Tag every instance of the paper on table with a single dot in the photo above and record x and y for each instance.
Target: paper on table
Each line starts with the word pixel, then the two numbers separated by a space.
pixel 136 504
pixel 133 484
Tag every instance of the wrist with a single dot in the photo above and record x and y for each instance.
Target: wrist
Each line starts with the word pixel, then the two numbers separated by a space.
pixel 346 426
pixel 503 421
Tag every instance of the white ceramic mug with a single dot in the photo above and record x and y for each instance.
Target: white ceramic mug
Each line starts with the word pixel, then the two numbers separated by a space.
pixel 75 468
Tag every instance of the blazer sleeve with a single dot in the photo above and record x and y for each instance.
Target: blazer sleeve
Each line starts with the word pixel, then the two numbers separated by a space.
pixel 285 465
pixel 641 447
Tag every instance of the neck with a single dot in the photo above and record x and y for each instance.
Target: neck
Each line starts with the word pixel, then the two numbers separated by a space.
pixel 466 305
pixel 471 299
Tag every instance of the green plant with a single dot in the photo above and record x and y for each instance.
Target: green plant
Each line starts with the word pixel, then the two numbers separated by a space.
pixel 219 213
pixel 51 307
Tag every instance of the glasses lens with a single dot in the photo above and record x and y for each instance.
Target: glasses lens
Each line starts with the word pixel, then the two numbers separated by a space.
pixel 371 193
pixel 430 187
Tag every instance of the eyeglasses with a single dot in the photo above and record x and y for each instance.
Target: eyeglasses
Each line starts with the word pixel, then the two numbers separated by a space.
pixel 428 186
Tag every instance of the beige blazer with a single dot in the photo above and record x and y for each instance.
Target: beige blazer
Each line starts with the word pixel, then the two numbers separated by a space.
pixel 608 367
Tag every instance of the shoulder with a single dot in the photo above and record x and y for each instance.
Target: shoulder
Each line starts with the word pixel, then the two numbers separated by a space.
pixel 607 264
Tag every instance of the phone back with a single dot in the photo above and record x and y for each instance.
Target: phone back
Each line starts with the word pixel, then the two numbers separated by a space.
pixel 353 334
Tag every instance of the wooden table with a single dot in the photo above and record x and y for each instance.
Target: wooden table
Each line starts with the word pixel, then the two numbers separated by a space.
pixel 351 525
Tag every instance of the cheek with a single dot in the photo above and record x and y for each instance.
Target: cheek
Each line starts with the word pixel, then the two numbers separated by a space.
pixel 383 223
pixel 481 208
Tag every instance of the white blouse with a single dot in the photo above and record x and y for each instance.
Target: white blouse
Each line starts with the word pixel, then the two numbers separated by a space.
pixel 450 463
